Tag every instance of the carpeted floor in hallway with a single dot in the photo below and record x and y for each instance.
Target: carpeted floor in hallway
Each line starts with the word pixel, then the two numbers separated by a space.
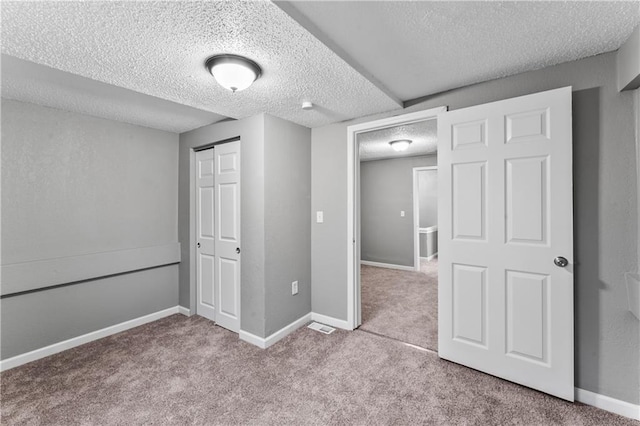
pixel 181 370
pixel 401 304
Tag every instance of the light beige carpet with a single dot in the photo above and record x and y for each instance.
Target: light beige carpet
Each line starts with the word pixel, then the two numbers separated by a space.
pixel 400 304
pixel 183 370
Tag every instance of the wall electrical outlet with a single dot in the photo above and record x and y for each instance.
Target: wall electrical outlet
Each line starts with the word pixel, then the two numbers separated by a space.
pixel 294 288
pixel 401 213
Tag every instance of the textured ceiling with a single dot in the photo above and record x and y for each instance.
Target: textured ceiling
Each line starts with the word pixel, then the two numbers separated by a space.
pixel 143 61
pixel 414 49
pixel 159 49
pixel 29 82
pixel 375 145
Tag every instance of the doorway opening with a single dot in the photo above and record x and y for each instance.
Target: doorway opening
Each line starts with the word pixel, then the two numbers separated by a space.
pixel 425 215
pixel 388 293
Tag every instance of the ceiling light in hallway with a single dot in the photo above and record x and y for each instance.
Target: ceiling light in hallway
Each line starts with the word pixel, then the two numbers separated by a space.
pixel 400 144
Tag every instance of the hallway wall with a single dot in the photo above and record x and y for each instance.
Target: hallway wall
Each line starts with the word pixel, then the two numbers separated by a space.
pixel 386 188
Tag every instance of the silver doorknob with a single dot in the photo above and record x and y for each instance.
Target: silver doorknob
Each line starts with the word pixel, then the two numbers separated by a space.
pixel 561 261
pixel 238 250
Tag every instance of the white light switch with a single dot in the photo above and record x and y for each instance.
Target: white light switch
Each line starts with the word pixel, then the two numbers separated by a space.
pixel 401 213
pixel 319 216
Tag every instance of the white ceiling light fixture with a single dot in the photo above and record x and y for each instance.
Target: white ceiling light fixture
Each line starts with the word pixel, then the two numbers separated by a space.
pixel 233 72
pixel 400 144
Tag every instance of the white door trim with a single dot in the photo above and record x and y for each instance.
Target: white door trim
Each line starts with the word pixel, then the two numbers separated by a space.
pixel 416 216
pixel 353 166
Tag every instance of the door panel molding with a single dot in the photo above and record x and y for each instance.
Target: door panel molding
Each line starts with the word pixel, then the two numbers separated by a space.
pixel 228 239
pixel 205 234
pixel 505 207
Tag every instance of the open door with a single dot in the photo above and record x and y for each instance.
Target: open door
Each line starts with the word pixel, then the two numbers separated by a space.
pixel 505 295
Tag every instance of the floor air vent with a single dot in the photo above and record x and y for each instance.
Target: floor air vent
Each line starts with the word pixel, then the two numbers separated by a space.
pixel 321 328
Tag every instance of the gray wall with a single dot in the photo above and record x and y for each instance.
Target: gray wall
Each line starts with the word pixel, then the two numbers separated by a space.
pixel 42 318
pixel 328 239
pixel 275 213
pixel 386 188
pixel 607 347
pixel 74 185
pixel 428 198
pixel 287 222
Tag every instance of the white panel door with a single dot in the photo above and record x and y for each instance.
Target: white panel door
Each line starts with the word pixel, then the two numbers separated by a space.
pixel 505 214
pixel 205 234
pixel 227 235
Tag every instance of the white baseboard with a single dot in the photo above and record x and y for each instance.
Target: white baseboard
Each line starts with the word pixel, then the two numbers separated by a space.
pixel 184 311
pixel 387 265
pixel 333 322
pixel 265 342
pixel 85 338
pixel 428 258
pixel 288 329
pixel 607 403
pixel 260 342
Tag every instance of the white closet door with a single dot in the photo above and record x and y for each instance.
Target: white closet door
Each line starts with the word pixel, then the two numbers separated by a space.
pixel 205 238
pixel 227 235
pixel 505 215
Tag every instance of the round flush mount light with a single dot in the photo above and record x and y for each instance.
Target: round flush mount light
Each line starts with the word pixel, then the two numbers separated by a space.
pixel 233 72
pixel 400 144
